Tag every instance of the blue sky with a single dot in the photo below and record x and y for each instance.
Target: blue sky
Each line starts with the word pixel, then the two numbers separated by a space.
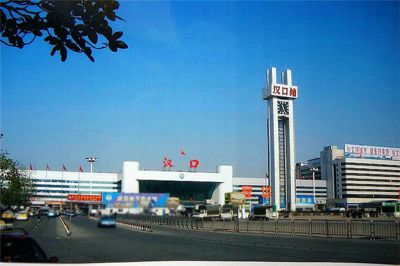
pixel 191 79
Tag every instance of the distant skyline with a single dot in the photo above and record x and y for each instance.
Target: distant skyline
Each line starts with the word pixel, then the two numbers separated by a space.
pixel 191 80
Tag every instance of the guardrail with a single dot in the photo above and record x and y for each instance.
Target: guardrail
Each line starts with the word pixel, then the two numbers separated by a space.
pixel 360 229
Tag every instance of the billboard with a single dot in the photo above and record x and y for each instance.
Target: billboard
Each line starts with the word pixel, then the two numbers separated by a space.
pixel 235 198
pixel 134 200
pixel 371 152
pixel 304 200
pixel 84 197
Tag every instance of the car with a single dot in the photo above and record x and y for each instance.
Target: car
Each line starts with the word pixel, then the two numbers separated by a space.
pixel 107 221
pixel 43 212
pixel 9 215
pixel 18 246
pixel 22 216
pixel 93 212
pixel 69 213
pixel 51 213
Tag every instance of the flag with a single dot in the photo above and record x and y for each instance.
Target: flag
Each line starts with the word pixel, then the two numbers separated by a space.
pixel 47 167
pixel 30 167
pixel 64 168
pixel 183 153
pixel 80 168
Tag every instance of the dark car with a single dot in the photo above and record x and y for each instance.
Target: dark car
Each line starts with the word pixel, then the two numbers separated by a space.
pixel 107 221
pixel 18 246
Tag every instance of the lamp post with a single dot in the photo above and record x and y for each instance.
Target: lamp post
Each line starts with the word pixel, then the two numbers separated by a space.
pixel 313 170
pixel 91 160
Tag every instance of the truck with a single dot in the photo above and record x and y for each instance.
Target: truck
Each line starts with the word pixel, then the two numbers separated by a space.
pixel 229 212
pixel 261 212
pixel 207 211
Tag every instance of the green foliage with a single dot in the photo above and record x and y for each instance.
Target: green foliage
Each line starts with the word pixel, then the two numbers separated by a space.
pixel 16 188
pixel 74 25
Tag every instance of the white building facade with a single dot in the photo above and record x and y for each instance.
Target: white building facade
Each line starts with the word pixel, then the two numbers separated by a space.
pixel 221 181
pixel 281 139
pixel 256 184
pixel 309 193
pixel 54 186
pixel 362 174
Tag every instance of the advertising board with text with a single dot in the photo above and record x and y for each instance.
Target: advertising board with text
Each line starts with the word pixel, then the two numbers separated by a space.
pixel 134 200
pixel 371 152
pixel 84 197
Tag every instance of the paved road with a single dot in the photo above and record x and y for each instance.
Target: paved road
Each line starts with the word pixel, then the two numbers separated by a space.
pixel 89 243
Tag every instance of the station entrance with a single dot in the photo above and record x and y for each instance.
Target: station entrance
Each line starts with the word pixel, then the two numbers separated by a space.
pixel 184 190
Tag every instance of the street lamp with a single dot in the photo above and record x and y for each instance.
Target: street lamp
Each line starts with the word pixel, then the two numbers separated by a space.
pixel 91 160
pixel 313 170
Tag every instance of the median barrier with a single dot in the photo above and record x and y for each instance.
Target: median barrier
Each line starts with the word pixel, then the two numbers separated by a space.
pixel 328 228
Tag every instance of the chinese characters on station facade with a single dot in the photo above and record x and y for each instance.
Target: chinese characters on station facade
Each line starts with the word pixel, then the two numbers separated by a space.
pixel 284 91
pixel 193 164
pixel 372 152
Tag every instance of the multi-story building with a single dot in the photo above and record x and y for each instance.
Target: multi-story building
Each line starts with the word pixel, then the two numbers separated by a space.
pixel 309 192
pixel 256 184
pixel 364 174
pixel 328 155
pixel 53 187
pixel 306 190
pixel 305 170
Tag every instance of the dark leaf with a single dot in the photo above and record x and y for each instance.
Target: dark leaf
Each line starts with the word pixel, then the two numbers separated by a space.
pixel 111 15
pixel 19 42
pixel 72 46
pixel 63 53
pixel 114 5
pixel 55 48
pixel 92 35
pixel 88 53
pixel 113 46
pixel 122 45
pixel 107 32
pixel 117 35
pixel 38 33
pixel 61 32
pixel 118 17
pixel 3 21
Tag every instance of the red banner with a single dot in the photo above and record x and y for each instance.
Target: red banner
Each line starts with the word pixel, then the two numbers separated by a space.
pixel 266 192
pixel 83 197
pixel 247 191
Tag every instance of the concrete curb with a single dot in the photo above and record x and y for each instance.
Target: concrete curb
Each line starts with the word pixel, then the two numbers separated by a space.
pixel 66 227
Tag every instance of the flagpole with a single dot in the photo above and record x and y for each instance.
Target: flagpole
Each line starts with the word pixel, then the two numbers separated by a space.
pixel 62 179
pixel 79 178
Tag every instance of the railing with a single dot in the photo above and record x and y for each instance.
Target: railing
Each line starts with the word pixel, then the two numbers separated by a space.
pixel 367 229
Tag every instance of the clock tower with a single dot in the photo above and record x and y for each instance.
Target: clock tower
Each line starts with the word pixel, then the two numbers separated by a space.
pixel 280 132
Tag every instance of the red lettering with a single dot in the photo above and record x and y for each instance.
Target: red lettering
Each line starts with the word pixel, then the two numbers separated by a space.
pixel 293 92
pixel 167 163
pixel 284 90
pixel 276 90
pixel 194 163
